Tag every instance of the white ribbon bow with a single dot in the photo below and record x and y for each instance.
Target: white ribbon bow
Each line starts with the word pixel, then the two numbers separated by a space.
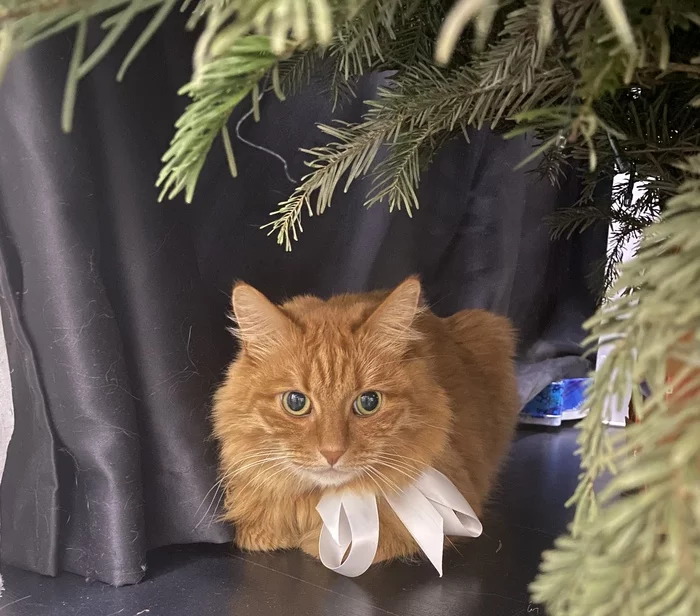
pixel 429 509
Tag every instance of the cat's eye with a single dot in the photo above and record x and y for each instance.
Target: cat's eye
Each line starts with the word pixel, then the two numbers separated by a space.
pixel 367 403
pixel 296 403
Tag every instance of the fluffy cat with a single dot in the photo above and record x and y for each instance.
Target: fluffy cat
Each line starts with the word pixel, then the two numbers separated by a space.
pixel 361 391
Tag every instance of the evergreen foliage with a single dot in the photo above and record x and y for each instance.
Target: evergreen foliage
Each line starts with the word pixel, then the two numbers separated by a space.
pixel 610 86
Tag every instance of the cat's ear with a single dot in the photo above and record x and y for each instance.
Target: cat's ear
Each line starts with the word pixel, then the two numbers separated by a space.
pixel 392 321
pixel 260 324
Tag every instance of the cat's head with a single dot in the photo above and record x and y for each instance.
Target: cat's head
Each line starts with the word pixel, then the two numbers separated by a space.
pixel 327 393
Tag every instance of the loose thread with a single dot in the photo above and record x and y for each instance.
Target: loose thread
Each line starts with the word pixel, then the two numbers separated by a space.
pixel 261 147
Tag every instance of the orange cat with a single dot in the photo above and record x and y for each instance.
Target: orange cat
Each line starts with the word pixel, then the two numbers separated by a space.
pixel 362 392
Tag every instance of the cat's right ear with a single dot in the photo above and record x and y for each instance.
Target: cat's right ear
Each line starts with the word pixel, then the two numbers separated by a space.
pixel 260 324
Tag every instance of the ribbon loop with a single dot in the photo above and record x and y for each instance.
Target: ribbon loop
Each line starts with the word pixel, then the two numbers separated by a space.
pixel 349 521
pixel 430 509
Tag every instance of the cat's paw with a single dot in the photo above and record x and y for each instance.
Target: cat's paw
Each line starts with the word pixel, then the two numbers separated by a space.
pixel 396 550
pixel 309 544
pixel 258 540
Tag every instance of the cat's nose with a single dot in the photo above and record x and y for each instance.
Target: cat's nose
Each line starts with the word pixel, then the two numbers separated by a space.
pixel 332 455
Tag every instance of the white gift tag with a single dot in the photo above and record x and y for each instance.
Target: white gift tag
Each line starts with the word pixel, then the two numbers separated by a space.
pixel 430 509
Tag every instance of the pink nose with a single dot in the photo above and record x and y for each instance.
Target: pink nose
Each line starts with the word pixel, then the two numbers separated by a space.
pixel 332 455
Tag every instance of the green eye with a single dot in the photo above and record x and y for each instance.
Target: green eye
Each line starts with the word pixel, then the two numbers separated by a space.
pixel 296 403
pixel 367 403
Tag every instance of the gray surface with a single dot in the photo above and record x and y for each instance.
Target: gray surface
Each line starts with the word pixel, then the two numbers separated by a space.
pixel 488 578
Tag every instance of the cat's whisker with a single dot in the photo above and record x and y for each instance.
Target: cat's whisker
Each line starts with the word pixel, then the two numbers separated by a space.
pixel 445 429
pixel 276 462
pixel 452 544
pixel 397 462
pixel 409 466
pixel 247 461
pixel 375 476
pixel 253 480
pixel 390 483
pixel 251 466
pixel 403 460
pixel 261 453
pixel 366 472
pixel 242 463
pixel 412 477
pixel 298 475
pixel 396 455
pixel 227 477
pixel 206 513
pixel 409 471
pixel 214 487
pixel 215 518
pixel 269 458
pixel 269 478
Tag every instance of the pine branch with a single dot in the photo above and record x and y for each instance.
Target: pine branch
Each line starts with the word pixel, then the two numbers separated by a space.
pixel 397 177
pixel 219 87
pixel 298 71
pixel 28 23
pixel 571 221
pixel 350 153
pixel 303 21
pixel 421 104
pixel 638 553
pixel 387 35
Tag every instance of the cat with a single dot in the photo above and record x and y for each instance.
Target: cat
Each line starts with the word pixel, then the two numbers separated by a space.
pixel 363 392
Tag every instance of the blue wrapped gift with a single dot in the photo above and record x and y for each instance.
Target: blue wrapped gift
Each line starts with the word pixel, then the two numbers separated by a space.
pixel 559 401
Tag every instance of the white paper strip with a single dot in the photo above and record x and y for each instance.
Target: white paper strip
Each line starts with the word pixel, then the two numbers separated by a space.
pixel 7 416
pixel 430 509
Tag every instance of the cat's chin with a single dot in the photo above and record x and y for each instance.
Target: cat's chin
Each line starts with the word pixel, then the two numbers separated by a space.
pixel 330 477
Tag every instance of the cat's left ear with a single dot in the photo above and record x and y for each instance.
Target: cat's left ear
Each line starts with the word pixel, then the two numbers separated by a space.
pixel 261 324
pixel 392 321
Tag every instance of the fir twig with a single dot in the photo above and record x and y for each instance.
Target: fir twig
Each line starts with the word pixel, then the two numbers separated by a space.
pixel 615 560
pixel 219 87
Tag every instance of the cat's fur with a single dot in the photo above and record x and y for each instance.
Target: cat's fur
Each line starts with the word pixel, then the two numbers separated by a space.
pixel 449 401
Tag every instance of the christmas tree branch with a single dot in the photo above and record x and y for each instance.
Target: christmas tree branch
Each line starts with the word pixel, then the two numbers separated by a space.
pixel 615 560
pixel 218 88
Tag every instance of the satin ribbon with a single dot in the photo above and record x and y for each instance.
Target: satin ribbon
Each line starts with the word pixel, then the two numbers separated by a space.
pixel 429 509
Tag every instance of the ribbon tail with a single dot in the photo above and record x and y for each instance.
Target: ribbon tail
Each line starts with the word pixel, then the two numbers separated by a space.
pixel 422 520
pixel 458 516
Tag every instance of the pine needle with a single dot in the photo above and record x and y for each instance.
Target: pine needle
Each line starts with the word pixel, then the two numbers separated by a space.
pixel 72 79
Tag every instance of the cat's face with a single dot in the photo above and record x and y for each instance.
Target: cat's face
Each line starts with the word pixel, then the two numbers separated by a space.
pixel 329 393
